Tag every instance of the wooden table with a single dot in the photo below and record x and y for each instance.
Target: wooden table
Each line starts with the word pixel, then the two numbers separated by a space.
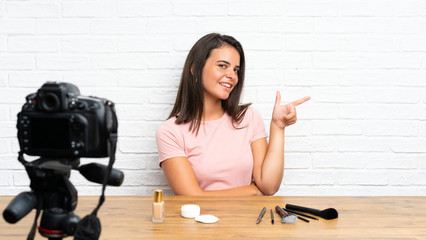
pixel 359 218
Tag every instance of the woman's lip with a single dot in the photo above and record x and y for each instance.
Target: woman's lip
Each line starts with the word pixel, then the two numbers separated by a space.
pixel 228 88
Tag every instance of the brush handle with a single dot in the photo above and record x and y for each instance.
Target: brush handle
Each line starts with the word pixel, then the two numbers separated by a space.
pixel 301 214
pixel 313 211
pixel 281 212
pixel 303 219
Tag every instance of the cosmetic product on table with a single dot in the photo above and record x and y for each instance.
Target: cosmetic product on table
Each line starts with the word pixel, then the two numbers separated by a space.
pixel 329 213
pixel 299 217
pixel 272 217
pixel 303 219
pixel 158 208
pixel 207 218
pixel 193 211
pixel 190 211
pixel 285 216
pixel 261 215
pixel 301 214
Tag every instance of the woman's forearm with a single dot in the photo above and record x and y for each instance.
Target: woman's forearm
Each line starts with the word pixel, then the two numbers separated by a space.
pixel 249 190
pixel 273 164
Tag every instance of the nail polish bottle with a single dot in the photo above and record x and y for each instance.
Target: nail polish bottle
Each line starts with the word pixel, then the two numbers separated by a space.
pixel 158 208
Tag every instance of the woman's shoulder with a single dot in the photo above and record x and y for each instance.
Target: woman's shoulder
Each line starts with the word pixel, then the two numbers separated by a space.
pixel 167 125
pixel 251 113
pixel 255 124
pixel 170 126
pixel 252 110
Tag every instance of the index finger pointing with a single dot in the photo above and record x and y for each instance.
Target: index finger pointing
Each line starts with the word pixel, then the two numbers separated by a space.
pixel 300 101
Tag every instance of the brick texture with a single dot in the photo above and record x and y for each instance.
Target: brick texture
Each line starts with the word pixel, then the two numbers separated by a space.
pixel 363 62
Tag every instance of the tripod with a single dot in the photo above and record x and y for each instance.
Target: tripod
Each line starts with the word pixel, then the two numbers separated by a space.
pixel 54 195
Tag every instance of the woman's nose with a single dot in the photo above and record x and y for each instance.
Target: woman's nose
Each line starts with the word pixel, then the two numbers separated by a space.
pixel 231 74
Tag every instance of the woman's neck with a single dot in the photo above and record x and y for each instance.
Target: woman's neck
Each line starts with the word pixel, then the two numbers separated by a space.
pixel 212 110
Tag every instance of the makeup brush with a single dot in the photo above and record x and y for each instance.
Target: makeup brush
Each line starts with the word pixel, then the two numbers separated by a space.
pixel 329 213
pixel 285 217
pixel 299 213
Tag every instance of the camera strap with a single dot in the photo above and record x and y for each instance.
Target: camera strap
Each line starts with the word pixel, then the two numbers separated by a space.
pixel 113 145
pixel 32 232
pixel 89 228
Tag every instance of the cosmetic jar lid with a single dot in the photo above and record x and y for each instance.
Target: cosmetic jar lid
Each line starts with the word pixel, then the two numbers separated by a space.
pixel 190 211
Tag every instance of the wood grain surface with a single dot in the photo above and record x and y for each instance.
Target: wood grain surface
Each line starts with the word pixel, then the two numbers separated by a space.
pixel 129 217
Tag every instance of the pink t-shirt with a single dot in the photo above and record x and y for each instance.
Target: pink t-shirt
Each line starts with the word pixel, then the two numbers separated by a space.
pixel 220 154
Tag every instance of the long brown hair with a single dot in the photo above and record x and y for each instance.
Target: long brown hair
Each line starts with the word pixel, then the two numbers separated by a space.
pixel 189 102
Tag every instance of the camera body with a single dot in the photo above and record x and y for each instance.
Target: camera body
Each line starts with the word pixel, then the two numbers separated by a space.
pixel 57 122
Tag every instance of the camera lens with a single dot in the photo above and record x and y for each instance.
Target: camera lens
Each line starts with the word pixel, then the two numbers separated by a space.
pixel 50 102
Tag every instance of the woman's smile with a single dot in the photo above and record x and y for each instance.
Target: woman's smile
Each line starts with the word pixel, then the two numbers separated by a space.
pixel 227 86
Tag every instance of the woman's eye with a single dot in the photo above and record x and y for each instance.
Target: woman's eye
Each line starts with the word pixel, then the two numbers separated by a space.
pixel 237 70
pixel 222 65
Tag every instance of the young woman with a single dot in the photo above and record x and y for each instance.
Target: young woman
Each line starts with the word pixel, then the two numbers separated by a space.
pixel 212 145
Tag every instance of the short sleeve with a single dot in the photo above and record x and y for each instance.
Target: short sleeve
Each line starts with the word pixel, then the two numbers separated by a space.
pixel 258 125
pixel 169 143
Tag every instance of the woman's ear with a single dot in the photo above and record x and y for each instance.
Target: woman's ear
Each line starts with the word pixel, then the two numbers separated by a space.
pixel 192 69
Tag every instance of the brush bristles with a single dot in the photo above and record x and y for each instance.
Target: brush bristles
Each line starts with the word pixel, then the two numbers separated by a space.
pixel 289 219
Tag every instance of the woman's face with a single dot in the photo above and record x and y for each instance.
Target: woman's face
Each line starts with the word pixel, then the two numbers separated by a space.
pixel 220 73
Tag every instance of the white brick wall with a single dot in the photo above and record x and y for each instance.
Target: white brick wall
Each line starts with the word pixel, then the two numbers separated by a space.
pixel 363 62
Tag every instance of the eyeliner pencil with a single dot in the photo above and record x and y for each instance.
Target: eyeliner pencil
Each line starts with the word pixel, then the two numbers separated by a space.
pixel 272 217
pixel 261 215
pixel 303 219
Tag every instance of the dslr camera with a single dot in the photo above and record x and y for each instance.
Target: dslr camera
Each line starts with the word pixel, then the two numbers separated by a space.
pixel 61 126
pixel 58 122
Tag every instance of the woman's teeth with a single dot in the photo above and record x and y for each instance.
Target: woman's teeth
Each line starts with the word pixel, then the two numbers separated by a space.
pixel 225 84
